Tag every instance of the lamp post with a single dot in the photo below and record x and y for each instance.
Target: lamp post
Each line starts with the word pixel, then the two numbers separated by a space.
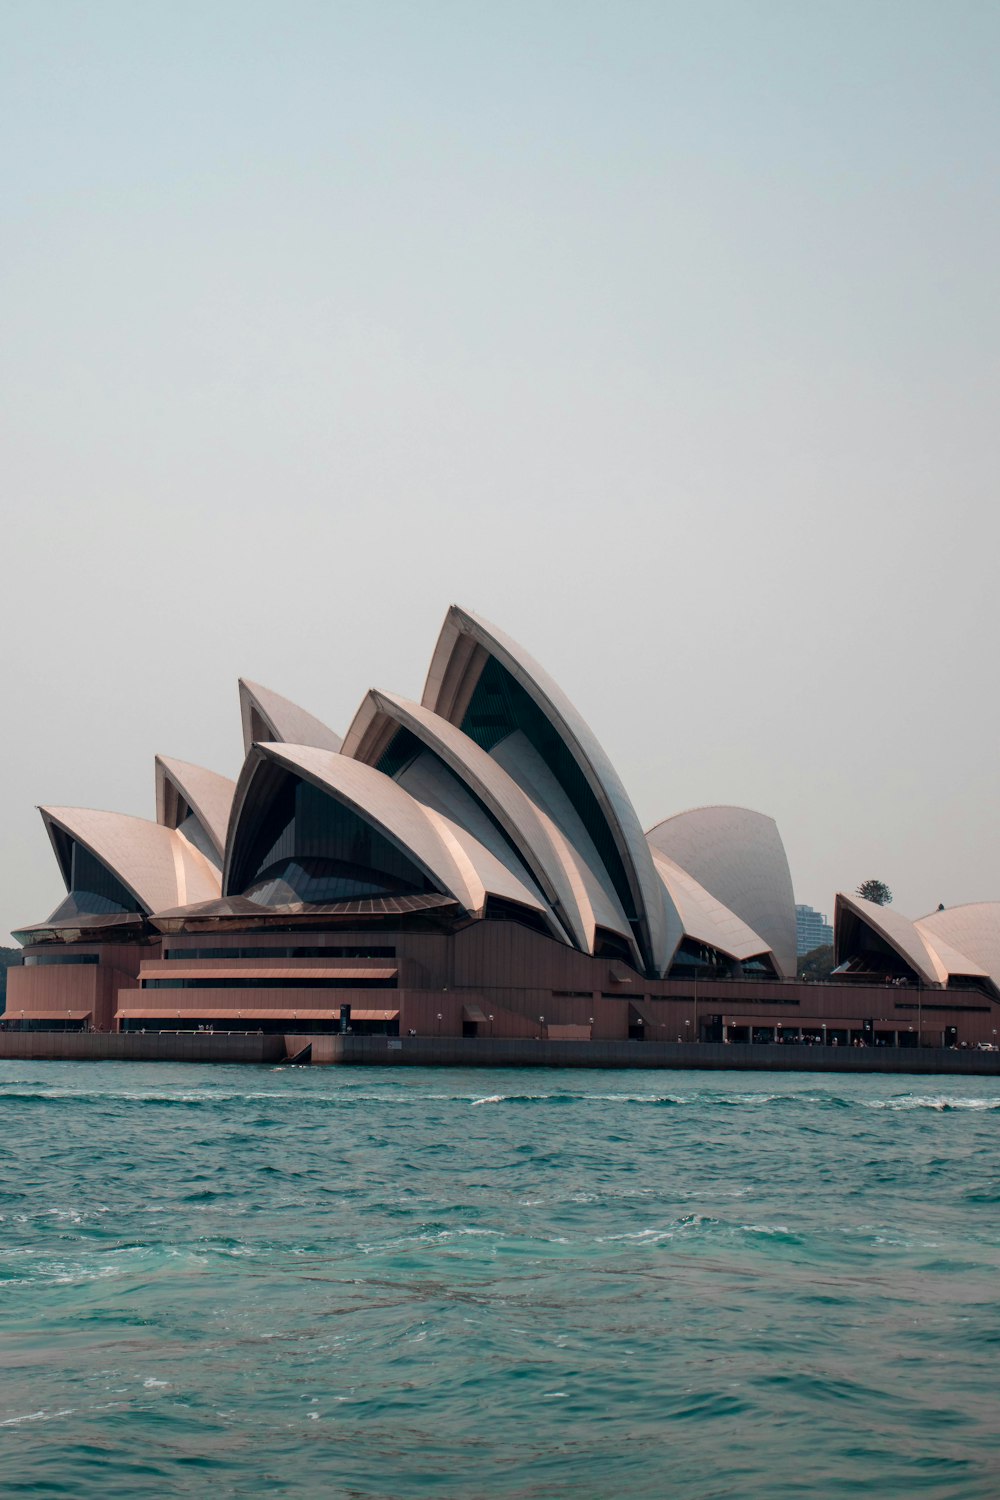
pixel 439 1023
pixel 491 1025
pixel 541 1026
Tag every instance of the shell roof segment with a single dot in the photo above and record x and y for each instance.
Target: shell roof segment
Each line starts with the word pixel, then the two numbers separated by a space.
pixel 928 953
pixel 738 857
pixel 464 650
pixel 705 918
pixel 461 819
pixel 207 794
pixel 269 718
pixel 373 797
pixel 971 932
pixel 158 865
pixel 507 803
pixel 594 894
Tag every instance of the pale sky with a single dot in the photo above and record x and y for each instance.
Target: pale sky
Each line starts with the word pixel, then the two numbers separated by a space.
pixel 663 335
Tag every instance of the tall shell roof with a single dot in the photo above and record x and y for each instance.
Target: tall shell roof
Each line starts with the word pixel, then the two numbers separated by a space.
pixel 502 873
pixel 972 932
pixel 738 856
pixel 269 718
pixel 705 918
pixel 375 798
pixel 464 647
pixel 370 734
pixel 208 795
pixel 593 889
pixel 156 864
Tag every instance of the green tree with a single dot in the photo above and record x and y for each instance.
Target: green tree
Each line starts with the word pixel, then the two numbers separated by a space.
pixel 875 890
pixel 818 963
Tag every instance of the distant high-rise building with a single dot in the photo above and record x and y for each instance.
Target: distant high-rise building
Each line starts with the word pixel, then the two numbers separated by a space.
pixel 812 930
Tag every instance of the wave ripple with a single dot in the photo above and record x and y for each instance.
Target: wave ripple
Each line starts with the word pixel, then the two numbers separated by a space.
pixel 419 1282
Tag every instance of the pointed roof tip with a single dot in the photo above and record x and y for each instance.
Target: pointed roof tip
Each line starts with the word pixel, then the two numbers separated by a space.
pixel 465 644
pixel 208 794
pixel 285 722
pixel 153 862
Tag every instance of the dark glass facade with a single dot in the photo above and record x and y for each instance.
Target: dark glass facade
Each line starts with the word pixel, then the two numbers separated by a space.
pixel 194 831
pixel 308 847
pixel 498 707
pixel 93 889
pixel 61 958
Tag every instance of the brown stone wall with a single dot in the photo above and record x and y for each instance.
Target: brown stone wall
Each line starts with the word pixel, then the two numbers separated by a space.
pixel 517 976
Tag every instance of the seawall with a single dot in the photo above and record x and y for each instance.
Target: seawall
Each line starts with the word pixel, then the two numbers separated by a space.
pixel 486 1052
pixel 83 1046
pixel 459 1052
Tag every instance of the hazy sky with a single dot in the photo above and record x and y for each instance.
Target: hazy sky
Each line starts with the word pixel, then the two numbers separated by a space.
pixel 663 335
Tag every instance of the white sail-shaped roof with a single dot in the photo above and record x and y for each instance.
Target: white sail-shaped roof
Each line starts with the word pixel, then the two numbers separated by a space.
pixel 705 918
pixel 206 794
pixel 158 865
pixel 373 797
pixel 971 935
pixel 894 929
pixel 269 718
pixel 737 855
pixel 489 867
pixel 371 732
pixel 594 894
pixel 464 649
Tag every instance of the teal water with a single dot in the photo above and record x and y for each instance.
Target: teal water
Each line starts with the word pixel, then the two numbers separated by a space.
pixel 389 1284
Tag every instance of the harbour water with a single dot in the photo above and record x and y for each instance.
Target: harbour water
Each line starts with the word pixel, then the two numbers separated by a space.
pixel 422 1282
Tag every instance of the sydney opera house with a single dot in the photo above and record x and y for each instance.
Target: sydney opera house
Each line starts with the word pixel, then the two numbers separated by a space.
pixel 469 865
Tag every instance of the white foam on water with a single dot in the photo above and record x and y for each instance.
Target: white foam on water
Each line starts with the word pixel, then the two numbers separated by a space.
pixel 38 1416
pixel 938 1102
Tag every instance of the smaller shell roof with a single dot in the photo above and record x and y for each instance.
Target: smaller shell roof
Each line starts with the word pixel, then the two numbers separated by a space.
pixel 372 796
pixel 737 855
pixel 705 918
pixel 929 954
pixel 209 796
pixel 488 782
pixel 490 865
pixel 972 932
pixel 268 718
pixel 156 864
